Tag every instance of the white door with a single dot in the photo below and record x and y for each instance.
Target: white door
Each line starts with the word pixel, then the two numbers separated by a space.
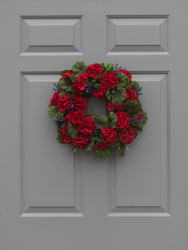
pixel 53 199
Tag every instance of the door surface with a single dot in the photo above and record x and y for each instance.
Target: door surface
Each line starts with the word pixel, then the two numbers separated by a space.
pixel 51 198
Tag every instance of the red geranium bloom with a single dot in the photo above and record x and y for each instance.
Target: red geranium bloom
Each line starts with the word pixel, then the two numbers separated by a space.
pixel 64 103
pixel 123 121
pixel 80 103
pixel 101 92
pixel 113 107
pixel 94 70
pixel 102 146
pixel 109 134
pixel 55 98
pixel 77 116
pixel 66 75
pixel 128 135
pixel 131 94
pixel 109 79
pixel 81 141
pixel 64 135
pixel 79 86
pixel 86 126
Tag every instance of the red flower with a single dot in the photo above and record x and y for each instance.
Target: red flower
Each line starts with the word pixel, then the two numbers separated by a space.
pixel 80 103
pixel 94 70
pixel 64 103
pixel 128 135
pixel 66 75
pixel 101 146
pixel 126 73
pixel 131 94
pixel 101 92
pixel 123 121
pixel 81 141
pixel 77 116
pixel 113 107
pixel 109 135
pixel 55 98
pixel 86 126
pixel 64 135
pixel 68 117
pixel 109 79
pixel 82 78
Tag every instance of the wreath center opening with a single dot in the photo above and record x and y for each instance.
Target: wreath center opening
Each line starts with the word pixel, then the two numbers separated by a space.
pixel 99 106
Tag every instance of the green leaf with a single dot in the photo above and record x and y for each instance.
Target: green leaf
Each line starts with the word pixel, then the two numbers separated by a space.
pixel 103 153
pixel 134 85
pixel 133 108
pixel 79 68
pixel 115 144
pixel 122 81
pixel 110 67
pixel 90 146
pixel 102 121
pixel 90 113
pixel 103 66
pixel 72 130
pixel 59 139
pixel 137 126
pixel 109 95
pixel 144 115
pixel 112 119
pixel 73 78
pixel 74 149
pixel 64 71
pixel 119 97
pixel 65 84
pixel 121 149
pixel 54 112
pixel 58 126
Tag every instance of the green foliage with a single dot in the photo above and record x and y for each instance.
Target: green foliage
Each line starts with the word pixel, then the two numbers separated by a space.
pixel 102 121
pixel 134 85
pixel 73 78
pixel 109 95
pixel 110 67
pixel 137 125
pixel 58 126
pixel 112 119
pixel 122 81
pixel 144 115
pixel 54 112
pixel 119 97
pixel 115 144
pixel 103 66
pixel 72 130
pixel 133 108
pixel 74 149
pixel 121 147
pixel 102 153
pixel 91 144
pixel 65 84
pixel 90 113
pixel 98 139
pixel 59 139
pixel 79 68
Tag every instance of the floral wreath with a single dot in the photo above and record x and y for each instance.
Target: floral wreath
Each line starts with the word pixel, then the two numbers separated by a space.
pixel 79 126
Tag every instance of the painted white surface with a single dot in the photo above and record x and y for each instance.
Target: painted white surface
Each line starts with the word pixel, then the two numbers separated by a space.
pixel 52 199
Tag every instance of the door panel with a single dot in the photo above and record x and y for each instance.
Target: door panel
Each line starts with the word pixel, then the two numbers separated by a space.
pixel 53 199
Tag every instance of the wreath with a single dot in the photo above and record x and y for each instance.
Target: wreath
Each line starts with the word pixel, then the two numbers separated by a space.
pixel 79 126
